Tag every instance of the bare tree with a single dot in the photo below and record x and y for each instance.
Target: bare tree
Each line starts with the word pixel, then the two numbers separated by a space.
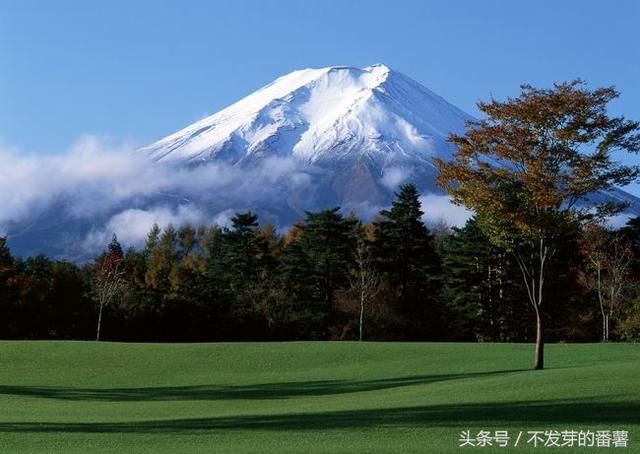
pixel 440 230
pixel 609 258
pixel 364 280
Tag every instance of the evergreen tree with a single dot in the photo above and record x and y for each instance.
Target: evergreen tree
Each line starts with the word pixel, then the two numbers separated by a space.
pixel 6 263
pixel 296 315
pixel 239 252
pixel 71 312
pixel 479 288
pixel 114 248
pixel 408 262
pixel 8 291
pixel 316 265
pixel 236 268
pixel 152 240
pixel 34 303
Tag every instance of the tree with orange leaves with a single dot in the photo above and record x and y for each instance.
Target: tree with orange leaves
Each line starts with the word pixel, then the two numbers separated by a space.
pixel 535 169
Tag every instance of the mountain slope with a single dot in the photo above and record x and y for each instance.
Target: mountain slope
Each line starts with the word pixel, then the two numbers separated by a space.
pixel 369 128
pixel 315 114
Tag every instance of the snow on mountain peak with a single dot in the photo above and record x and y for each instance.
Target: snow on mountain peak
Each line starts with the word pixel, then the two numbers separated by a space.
pixel 322 114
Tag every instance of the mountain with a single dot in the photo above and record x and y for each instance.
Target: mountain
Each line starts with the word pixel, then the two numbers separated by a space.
pixel 370 127
pixel 315 114
pixel 312 139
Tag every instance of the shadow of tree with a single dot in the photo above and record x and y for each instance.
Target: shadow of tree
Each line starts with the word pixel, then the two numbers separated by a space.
pixel 225 392
pixel 484 414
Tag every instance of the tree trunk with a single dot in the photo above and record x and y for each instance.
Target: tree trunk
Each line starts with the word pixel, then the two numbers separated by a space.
pixel 99 322
pixel 534 282
pixel 539 362
pixel 601 302
pixel 361 315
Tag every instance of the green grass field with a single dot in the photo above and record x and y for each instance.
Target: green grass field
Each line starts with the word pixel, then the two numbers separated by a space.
pixel 307 397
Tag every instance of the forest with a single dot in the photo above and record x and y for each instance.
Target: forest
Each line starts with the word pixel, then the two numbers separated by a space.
pixel 331 277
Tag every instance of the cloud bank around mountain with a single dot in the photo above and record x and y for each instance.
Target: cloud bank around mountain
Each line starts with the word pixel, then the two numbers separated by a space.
pixel 120 191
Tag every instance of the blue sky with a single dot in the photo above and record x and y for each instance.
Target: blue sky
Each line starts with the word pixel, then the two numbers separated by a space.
pixel 139 70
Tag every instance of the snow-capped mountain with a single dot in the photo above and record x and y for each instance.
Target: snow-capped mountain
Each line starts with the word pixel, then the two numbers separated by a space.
pixel 370 128
pixel 328 113
pixel 312 139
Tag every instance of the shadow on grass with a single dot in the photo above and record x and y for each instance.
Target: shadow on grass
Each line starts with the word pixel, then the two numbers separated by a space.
pixel 524 414
pixel 263 391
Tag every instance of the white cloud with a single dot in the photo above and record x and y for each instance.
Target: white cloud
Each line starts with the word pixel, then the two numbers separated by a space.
pixel 132 225
pixel 96 179
pixel 393 177
pixel 120 191
pixel 439 207
pixel 223 219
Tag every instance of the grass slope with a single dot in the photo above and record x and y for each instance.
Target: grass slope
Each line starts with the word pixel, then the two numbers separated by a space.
pixel 306 397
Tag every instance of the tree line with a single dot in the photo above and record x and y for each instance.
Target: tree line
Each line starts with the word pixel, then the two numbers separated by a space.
pixel 330 276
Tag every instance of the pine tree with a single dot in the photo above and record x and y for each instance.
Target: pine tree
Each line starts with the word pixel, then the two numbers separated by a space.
pixel 7 270
pixel 8 291
pixel 316 265
pixel 236 267
pixel 479 295
pixel 241 247
pixel 296 315
pixel 152 240
pixel 407 260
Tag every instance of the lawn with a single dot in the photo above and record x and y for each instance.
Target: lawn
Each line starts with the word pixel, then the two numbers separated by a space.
pixel 307 397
